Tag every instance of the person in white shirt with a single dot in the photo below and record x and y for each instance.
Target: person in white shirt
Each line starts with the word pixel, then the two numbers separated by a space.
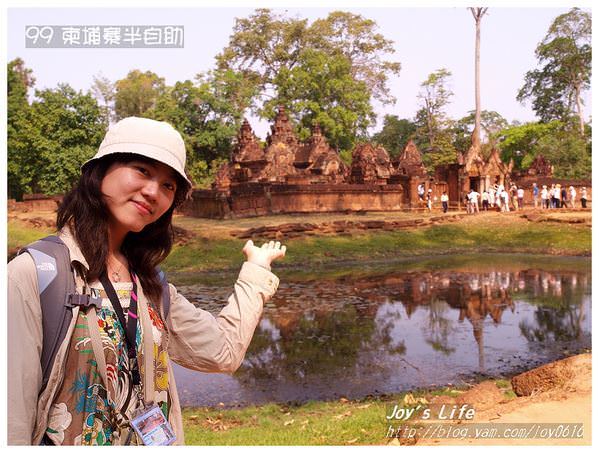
pixel 572 197
pixel 520 193
pixel 485 200
pixel 506 201
pixel 492 197
pixel 583 197
pixel 473 197
pixel 544 198
pixel 498 200
pixel 421 192
pixel 445 201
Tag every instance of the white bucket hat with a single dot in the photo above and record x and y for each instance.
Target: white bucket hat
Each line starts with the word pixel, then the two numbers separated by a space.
pixel 157 140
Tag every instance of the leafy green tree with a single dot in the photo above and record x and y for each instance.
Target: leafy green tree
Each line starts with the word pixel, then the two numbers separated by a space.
pixel 443 151
pixel 137 93
pixel 321 90
pixel 19 81
pixel 434 97
pixel 491 123
pixel 67 127
pixel 434 126
pixel 565 60
pixel 568 153
pixel 395 134
pixel 208 114
pixel 266 48
pixel 355 37
pixel 50 139
pixel 558 142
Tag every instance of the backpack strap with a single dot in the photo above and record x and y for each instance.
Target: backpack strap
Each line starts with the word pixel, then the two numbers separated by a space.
pixel 166 294
pixel 58 296
pixel 56 282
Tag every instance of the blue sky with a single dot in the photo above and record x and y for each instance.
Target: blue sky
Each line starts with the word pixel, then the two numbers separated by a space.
pixel 425 39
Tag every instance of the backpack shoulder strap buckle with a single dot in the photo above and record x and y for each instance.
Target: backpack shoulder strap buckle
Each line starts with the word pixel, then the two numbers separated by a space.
pixel 83 300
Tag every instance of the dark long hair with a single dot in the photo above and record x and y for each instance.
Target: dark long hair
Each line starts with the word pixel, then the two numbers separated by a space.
pixel 84 211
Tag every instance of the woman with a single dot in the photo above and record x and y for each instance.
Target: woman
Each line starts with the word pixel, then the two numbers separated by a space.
pixel 112 371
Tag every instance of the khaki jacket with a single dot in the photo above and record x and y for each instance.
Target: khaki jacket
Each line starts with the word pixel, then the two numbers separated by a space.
pixel 196 340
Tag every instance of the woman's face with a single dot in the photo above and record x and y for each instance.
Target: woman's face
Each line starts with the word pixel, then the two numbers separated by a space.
pixel 137 193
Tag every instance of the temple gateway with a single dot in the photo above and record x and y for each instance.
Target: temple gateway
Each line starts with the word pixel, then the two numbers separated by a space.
pixel 289 176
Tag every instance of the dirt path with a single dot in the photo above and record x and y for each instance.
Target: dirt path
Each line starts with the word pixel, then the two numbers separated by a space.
pixel 570 401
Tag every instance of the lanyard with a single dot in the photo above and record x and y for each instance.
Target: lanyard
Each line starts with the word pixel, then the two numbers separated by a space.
pixel 129 326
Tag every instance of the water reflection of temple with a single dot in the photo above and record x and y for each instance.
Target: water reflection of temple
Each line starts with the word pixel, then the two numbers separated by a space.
pixel 475 297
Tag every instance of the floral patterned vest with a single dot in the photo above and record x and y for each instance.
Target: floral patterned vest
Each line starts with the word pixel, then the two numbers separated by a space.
pixel 87 412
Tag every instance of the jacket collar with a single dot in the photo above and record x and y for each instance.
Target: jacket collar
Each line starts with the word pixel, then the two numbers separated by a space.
pixel 75 252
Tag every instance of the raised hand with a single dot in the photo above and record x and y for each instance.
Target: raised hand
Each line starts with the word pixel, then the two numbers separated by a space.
pixel 264 255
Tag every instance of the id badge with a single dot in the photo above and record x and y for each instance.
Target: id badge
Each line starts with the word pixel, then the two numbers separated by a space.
pixel 152 427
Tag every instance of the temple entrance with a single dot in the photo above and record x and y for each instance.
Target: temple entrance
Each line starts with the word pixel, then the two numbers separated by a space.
pixel 475 184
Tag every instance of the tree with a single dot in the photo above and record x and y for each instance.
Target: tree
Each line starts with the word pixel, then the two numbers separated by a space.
pixel 395 134
pixel 104 91
pixel 558 142
pixel 266 47
pixel 491 123
pixel 51 140
pixel 565 60
pixel 208 114
pixel 478 14
pixel 137 93
pixel 321 90
pixel 354 37
pixel 19 81
pixel 433 122
pixel 67 127
pixel 434 97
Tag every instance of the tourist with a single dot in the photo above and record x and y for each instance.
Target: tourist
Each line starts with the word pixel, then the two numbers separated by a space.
pixel 514 196
pixel 535 195
pixel 520 193
pixel 583 197
pixel 485 200
pixel 492 198
pixel 444 201
pixel 544 198
pixel 498 202
pixel 572 197
pixel 473 197
pixel 113 366
pixel 420 192
pixel 554 196
pixel 564 197
pixel 429 200
pixel 505 201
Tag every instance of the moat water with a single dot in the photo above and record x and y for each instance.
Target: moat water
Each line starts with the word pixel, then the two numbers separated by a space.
pixel 371 329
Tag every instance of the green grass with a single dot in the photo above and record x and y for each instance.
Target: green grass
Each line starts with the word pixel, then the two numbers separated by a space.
pixel 342 422
pixel 20 234
pixel 309 252
pixel 202 255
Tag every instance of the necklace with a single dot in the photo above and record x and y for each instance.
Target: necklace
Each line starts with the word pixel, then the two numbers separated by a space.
pixel 115 275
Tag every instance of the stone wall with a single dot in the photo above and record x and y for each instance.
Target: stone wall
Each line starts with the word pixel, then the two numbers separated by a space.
pixel 35 202
pixel 255 199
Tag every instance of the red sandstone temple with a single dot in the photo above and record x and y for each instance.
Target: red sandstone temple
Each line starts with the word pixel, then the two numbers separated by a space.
pixel 289 176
